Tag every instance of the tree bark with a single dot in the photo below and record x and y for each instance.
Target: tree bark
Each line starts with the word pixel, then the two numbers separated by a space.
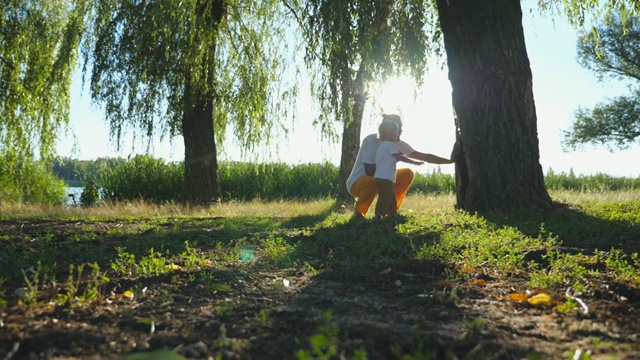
pixel 202 187
pixel 499 166
pixel 200 157
pixel 351 135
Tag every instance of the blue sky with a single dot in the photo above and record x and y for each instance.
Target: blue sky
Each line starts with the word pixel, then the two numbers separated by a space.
pixel 560 86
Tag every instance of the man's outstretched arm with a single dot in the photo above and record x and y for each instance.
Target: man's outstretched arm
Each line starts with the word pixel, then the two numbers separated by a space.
pixel 430 158
pixel 434 159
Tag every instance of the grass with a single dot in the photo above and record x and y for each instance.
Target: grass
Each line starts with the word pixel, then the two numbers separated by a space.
pixel 593 239
pixel 433 231
pixel 141 209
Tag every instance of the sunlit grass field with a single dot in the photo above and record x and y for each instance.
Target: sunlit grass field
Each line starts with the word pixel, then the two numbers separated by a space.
pixel 594 237
pixel 428 203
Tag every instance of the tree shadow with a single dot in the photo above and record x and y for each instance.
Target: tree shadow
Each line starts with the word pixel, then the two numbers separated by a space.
pixel 356 282
pixel 578 230
pixel 304 221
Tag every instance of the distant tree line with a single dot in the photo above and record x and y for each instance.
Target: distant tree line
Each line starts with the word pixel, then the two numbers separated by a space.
pixel 156 181
pixel 76 172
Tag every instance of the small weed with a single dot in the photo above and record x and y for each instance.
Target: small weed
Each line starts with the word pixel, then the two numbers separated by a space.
pixel 620 265
pixel 310 270
pixel 193 259
pixel 324 344
pixel 223 309
pixel 214 288
pixel 263 316
pixel 32 280
pixel 92 285
pixel 473 325
pixel 234 254
pixel 208 276
pixel 124 263
pixel 153 264
pixel 564 269
pixel 278 251
pixel 567 307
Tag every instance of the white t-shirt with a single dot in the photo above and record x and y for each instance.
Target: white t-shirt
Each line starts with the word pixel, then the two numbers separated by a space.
pixel 367 155
pixel 385 161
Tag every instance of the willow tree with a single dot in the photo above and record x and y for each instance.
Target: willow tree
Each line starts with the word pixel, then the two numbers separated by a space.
pixel 191 68
pixel 498 166
pixel 352 43
pixel 614 53
pixel 39 43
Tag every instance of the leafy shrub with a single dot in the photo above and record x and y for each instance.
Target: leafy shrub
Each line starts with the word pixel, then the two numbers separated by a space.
pixel 142 177
pixel 89 195
pixel 29 181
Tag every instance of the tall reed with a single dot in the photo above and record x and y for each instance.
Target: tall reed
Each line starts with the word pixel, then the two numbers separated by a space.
pixel 157 181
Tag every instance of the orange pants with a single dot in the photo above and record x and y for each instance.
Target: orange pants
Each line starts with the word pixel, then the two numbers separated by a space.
pixel 364 189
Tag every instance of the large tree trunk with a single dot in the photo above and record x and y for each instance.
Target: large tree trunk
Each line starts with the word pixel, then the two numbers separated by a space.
pixel 202 187
pixel 351 135
pixel 493 99
pixel 200 156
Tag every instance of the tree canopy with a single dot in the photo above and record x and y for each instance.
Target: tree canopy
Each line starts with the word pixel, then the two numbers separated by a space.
pixel 39 43
pixel 192 68
pixel 615 124
pixel 144 52
pixel 374 38
pixel 612 53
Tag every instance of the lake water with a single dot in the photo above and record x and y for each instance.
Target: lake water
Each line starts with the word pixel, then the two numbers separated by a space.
pixel 76 191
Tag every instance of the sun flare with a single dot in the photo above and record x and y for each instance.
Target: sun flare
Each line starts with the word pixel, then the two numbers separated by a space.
pixel 426 111
pixel 398 94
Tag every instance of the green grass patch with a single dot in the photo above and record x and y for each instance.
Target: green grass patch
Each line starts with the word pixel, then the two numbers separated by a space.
pixel 588 240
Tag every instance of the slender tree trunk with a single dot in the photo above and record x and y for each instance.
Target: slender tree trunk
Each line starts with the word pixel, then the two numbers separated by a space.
pixel 352 127
pixel 493 99
pixel 351 135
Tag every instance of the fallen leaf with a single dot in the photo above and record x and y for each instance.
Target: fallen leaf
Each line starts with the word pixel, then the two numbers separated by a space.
pixel 468 268
pixel 518 297
pixel 128 294
pixel 443 284
pixel 174 267
pixel 540 299
pixel 479 282
pixel 385 271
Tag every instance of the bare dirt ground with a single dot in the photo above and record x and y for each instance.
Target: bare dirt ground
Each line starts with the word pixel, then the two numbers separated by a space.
pixel 252 311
